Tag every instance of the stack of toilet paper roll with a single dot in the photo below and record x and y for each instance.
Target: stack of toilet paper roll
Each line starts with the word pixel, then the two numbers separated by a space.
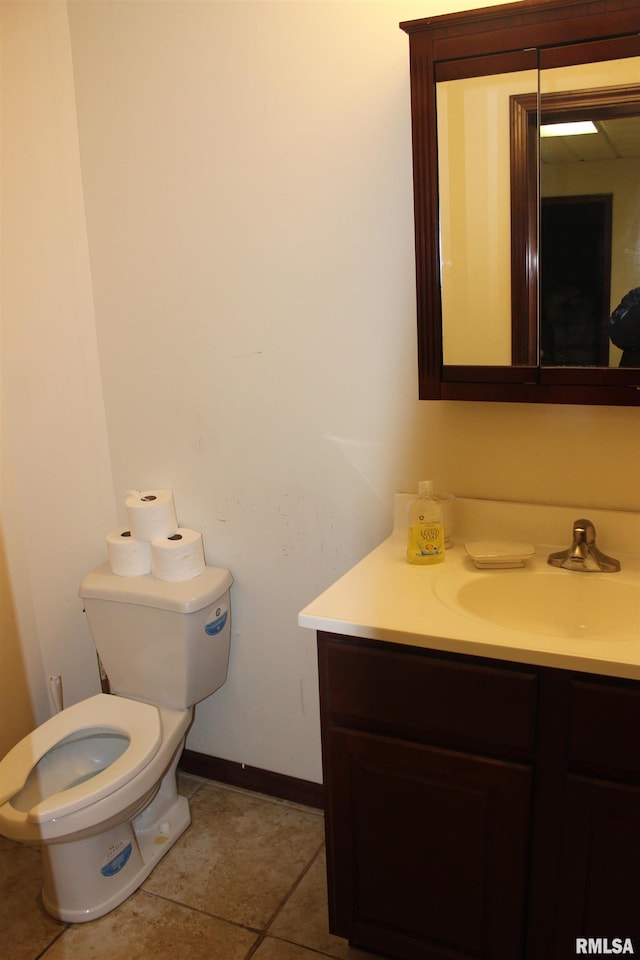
pixel 153 542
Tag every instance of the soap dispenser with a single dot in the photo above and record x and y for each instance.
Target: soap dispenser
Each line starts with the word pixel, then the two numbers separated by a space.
pixel 426 529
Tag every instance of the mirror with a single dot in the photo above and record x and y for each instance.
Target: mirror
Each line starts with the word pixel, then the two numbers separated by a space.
pixel 526 244
pixel 473 127
pixel 588 207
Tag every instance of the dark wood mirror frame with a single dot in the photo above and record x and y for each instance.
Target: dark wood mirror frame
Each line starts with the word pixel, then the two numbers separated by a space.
pixel 530 33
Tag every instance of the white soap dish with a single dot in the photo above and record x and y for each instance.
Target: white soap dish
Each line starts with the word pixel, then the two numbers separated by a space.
pixel 499 554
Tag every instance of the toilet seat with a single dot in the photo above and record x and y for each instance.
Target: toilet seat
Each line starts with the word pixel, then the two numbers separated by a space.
pixel 139 722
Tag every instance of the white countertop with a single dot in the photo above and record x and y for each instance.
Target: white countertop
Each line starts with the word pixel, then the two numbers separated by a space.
pixel 385 598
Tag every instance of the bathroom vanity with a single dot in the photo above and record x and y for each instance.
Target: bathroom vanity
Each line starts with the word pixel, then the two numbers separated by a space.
pixel 482 782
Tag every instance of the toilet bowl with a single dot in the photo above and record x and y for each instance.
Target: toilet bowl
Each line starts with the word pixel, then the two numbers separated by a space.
pixel 96 784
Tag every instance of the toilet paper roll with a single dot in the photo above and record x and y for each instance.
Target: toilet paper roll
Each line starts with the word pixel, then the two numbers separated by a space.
pixel 128 557
pixel 151 514
pixel 179 557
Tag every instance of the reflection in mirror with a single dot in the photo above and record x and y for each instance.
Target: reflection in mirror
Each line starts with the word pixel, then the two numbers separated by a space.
pixel 575 279
pixel 474 195
pixel 590 211
pixel 589 230
pixel 505 298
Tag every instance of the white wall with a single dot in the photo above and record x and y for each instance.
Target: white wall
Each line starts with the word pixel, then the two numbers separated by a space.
pixel 247 179
pixel 56 477
pixel 246 175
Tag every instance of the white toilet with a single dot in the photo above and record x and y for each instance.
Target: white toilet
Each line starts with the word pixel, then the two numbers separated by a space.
pixel 96 784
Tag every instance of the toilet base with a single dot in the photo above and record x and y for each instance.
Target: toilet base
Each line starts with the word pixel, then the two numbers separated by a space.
pixel 84 879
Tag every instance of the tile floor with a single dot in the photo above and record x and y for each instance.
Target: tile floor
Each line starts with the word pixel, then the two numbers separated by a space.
pixel 246 880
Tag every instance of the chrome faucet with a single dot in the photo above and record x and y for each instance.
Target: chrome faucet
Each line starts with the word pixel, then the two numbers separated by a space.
pixel 583 554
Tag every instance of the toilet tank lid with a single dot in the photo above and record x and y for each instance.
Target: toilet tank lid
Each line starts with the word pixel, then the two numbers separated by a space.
pixel 186 596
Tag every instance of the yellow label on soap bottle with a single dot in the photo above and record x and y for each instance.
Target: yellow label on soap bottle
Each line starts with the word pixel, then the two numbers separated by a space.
pixel 426 543
pixel 426 529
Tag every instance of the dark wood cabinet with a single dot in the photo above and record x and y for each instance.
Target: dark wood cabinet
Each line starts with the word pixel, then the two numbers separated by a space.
pixel 477 808
pixel 499 40
pixel 599 889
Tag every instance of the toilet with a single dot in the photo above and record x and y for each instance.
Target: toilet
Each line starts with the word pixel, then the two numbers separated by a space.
pixel 96 784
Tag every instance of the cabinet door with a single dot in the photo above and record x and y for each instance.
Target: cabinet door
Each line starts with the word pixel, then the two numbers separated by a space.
pixel 600 860
pixel 427 848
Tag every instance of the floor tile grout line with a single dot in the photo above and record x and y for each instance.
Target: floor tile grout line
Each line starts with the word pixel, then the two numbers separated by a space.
pixel 294 886
pixel 45 950
pixel 177 903
pixel 205 913
pixel 261 932
pixel 307 949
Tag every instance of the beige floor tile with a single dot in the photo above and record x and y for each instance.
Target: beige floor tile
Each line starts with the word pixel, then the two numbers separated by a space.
pixel 304 918
pixel 240 857
pixel 146 927
pixel 25 927
pixel 271 949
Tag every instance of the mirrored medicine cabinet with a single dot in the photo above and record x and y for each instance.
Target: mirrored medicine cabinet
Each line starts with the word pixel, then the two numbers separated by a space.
pixel 527 234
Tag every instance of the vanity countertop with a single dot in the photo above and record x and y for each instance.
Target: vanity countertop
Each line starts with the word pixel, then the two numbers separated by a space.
pixel 385 598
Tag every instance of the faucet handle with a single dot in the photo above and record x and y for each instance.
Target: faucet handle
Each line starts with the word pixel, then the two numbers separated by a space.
pixel 583 554
pixel 584 531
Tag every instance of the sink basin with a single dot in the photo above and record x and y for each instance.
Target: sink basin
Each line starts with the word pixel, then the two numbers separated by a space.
pixel 563 604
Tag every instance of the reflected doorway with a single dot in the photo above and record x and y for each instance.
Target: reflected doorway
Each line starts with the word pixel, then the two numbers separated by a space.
pixel 575 280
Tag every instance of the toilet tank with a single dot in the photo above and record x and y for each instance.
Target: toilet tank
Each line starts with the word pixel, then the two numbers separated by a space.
pixel 164 642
